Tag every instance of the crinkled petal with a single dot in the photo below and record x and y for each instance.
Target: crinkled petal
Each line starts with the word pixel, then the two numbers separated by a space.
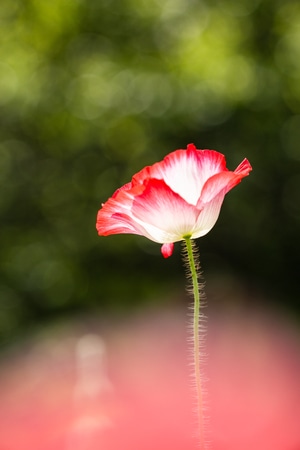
pixel 115 215
pixel 141 176
pixel 244 168
pixel 126 187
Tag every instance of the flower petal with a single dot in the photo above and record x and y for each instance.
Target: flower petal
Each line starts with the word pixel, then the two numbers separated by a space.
pixel 223 182
pixel 163 213
pixel 115 215
pixel 208 216
pixel 186 171
pixel 244 168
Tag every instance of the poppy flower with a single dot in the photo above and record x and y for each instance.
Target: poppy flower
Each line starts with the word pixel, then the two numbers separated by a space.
pixel 178 197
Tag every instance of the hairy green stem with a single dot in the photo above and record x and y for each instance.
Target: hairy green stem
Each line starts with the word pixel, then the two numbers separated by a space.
pixel 192 267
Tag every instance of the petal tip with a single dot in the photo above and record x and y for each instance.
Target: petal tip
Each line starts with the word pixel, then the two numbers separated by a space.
pixel 244 168
pixel 191 147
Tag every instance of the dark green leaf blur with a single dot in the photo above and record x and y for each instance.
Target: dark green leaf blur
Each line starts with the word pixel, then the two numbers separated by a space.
pixel 92 91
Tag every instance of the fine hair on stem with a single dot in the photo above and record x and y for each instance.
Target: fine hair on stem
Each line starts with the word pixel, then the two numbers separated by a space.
pixel 197 329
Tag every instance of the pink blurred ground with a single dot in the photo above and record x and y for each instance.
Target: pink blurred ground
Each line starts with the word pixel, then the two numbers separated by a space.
pixel 126 387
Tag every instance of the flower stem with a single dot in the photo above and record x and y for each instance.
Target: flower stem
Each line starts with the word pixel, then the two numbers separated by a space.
pixel 193 265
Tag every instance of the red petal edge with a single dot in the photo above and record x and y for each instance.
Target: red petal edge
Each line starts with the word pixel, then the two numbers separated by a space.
pixel 191 148
pixel 167 250
pixel 244 168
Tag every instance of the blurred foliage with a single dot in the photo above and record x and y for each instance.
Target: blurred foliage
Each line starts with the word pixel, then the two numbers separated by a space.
pixel 90 92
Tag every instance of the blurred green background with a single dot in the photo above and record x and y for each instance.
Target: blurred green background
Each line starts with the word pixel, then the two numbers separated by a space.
pixel 93 90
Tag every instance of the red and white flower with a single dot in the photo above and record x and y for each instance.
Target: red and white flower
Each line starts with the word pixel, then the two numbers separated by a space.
pixel 178 197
